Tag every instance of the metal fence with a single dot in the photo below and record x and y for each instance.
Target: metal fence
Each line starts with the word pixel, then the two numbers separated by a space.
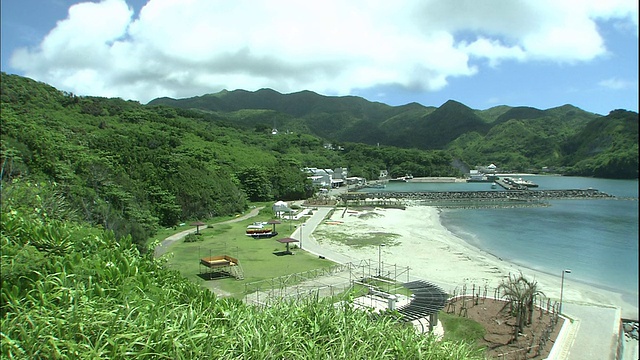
pixel 333 281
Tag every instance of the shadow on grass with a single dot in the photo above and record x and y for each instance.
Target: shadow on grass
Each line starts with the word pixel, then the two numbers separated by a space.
pixel 282 253
pixel 214 275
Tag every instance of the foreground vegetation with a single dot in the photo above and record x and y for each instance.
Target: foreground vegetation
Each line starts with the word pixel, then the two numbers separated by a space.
pixel 72 291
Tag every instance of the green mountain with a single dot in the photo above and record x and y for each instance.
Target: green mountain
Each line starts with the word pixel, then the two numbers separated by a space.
pixel 438 128
pixel 606 147
pixel 515 138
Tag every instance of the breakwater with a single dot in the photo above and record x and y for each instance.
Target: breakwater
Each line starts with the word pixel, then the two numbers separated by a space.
pixel 470 198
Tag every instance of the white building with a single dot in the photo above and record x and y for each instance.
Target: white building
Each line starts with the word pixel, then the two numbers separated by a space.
pixel 280 208
pixel 320 177
pixel 326 178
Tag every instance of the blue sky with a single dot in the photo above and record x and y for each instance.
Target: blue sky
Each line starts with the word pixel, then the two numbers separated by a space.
pixel 539 53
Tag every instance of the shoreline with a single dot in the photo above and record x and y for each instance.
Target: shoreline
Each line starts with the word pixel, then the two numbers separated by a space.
pixel 631 295
pixel 438 255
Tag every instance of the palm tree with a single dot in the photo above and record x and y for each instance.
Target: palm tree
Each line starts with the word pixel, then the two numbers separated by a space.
pixel 520 294
pixel 531 293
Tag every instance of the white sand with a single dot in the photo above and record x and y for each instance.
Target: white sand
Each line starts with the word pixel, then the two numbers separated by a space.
pixel 435 254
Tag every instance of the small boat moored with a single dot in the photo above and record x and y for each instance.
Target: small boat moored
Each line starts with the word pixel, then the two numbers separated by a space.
pixel 520 182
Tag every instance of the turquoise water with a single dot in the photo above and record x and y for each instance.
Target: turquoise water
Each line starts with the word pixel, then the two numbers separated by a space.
pixel 596 239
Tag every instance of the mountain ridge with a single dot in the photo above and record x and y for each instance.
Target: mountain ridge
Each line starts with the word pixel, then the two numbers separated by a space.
pixel 564 139
pixel 518 137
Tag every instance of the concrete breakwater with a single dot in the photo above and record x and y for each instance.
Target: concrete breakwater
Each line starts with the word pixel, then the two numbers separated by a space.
pixel 515 195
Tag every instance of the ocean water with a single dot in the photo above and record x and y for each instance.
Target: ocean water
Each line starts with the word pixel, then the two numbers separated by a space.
pixel 596 239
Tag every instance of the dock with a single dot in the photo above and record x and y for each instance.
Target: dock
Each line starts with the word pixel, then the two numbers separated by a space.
pixel 436 179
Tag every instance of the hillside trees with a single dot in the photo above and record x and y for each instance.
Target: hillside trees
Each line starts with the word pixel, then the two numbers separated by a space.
pixel 607 147
pixel 124 167
pixel 369 160
pixel 516 138
pixel 255 180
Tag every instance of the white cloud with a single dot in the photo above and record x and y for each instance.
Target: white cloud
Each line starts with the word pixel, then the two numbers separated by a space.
pixel 493 50
pixel 616 84
pixel 189 47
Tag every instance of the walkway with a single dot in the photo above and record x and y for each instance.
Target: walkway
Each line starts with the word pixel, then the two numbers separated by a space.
pixel 596 332
pixel 309 244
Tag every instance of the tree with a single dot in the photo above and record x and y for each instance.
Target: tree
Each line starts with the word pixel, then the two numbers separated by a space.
pixel 256 183
pixel 289 183
pixel 520 294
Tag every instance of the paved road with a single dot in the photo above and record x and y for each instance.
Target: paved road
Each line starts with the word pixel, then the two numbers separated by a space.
pixel 309 243
pixel 166 243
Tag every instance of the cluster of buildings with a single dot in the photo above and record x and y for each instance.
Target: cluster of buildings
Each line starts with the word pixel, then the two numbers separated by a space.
pixel 332 178
pixel 483 174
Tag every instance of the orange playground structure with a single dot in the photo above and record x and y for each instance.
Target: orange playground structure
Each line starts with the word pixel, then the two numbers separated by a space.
pixel 221 265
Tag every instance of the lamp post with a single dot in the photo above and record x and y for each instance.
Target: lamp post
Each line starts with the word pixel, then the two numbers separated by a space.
pixel 562 288
pixel 301 227
pixel 379 258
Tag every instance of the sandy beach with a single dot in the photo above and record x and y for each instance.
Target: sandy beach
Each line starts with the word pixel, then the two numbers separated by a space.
pixel 435 254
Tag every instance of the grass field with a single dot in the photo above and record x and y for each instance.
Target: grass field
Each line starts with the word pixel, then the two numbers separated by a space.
pixel 257 257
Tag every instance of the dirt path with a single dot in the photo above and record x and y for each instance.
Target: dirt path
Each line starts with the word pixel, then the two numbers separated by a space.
pixel 166 243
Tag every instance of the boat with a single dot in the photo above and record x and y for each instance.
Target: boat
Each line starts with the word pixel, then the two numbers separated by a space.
pixel 259 230
pixel 400 179
pixel 494 185
pixel 522 182
pixel 376 186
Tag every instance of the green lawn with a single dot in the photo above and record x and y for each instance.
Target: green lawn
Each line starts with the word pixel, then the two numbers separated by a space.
pixel 460 329
pixel 256 256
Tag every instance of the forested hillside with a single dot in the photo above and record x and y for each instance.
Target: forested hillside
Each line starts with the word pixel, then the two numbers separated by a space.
pixel 132 167
pixel 606 147
pixel 514 138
